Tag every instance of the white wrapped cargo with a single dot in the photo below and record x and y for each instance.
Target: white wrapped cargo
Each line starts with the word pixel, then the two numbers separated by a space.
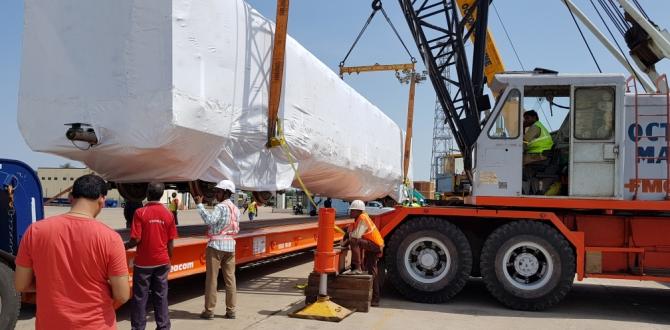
pixel 177 91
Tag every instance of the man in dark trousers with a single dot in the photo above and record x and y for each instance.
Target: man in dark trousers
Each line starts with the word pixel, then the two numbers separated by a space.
pixel 129 211
pixel 365 241
pixel 173 206
pixel 153 232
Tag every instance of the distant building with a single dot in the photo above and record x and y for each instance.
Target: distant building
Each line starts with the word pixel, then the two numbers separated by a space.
pixel 55 180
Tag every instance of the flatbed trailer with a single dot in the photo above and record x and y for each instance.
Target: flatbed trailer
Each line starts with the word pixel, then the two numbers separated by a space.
pixel 257 240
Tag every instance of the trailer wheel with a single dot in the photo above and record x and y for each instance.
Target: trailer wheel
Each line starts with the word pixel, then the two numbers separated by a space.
pixel 528 265
pixel 10 300
pixel 428 260
pixel 203 188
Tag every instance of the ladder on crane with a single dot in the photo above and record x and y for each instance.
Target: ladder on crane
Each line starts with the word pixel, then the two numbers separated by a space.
pixel 662 89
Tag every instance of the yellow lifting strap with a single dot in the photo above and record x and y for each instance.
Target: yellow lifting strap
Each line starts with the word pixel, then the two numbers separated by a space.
pixel 280 141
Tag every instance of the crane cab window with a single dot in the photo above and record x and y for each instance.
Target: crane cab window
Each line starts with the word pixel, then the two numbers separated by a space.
pixel 594 113
pixel 506 125
pixel 546 163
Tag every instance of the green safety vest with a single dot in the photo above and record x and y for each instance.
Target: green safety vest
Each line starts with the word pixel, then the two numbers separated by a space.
pixel 252 208
pixel 542 143
pixel 172 204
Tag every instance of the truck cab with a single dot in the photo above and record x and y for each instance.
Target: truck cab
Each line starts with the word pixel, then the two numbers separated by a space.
pixel 585 115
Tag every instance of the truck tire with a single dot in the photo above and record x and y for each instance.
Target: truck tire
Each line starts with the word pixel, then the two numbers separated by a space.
pixel 10 300
pixel 528 265
pixel 428 260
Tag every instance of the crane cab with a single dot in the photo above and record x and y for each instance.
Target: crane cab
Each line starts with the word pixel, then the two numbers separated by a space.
pixel 605 144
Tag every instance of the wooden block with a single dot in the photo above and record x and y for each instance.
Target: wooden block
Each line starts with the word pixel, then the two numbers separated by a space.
pixel 357 285
pixel 350 291
pixel 342 281
pixel 342 294
pixel 344 261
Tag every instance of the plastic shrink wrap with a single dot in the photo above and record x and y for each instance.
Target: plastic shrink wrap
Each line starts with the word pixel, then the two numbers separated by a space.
pixel 177 91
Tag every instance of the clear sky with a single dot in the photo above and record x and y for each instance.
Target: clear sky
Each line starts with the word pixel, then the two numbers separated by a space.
pixel 542 32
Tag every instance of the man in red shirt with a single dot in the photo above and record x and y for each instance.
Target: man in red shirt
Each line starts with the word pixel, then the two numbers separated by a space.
pixel 153 231
pixel 78 263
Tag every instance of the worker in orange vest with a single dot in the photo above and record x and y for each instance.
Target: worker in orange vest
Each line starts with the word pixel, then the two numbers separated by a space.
pixel 366 243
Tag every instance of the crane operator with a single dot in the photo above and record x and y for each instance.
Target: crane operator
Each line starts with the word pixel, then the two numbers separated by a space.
pixel 536 139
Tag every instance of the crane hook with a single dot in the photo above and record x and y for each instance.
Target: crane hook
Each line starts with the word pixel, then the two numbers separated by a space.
pixel 376 5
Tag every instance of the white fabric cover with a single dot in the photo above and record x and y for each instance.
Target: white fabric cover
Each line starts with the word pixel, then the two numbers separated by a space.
pixel 177 91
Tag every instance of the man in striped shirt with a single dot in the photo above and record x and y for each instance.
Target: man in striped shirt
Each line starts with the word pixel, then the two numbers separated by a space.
pixel 223 225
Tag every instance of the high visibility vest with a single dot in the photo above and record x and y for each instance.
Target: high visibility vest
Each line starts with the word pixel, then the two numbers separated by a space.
pixel 252 208
pixel 233 226
pixel 372 234
pixel 542 143
pixel 172 206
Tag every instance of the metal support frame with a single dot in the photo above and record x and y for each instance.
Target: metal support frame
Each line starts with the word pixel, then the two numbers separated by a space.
pixel 405 67
pixel 442 141
pixel 440 34
pixel 411 77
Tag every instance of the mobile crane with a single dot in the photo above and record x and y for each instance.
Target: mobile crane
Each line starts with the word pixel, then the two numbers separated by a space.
pixel 609 217
pixel 610 152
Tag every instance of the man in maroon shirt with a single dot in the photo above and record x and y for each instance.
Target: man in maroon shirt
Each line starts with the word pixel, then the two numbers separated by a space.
pixel 153 231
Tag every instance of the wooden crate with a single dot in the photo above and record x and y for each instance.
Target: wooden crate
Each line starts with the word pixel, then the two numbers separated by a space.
pixel 424 186
pixel 428 194
pixel 353 292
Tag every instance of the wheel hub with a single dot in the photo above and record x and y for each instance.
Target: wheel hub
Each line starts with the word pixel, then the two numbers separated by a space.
pixel 526 264
pixel 427 260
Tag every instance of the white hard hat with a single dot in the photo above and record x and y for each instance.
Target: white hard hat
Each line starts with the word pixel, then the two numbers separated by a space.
pixel 357 205
pixel 226 185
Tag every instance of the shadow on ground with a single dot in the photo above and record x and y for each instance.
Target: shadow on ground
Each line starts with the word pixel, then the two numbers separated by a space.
pixel 585 301
pixel 251 279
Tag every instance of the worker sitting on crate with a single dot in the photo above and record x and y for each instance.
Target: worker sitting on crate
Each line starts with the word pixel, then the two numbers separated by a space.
pixel 366 244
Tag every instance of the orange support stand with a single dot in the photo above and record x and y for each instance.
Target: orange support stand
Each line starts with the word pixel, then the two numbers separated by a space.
pixel 324 260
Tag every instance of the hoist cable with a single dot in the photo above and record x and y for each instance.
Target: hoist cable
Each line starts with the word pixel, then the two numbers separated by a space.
pixel 615 16
pixel 397 35
pixel 583 37
pixel 639 7
pixel 508 37
pixel 360 34
pixel 377 6
pixel 616 42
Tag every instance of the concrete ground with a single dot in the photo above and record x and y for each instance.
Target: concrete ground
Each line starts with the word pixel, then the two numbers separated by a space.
pixel 267 293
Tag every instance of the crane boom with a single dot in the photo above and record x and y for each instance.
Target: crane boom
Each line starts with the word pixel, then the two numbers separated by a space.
pixel 440 35
pixel 493 63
